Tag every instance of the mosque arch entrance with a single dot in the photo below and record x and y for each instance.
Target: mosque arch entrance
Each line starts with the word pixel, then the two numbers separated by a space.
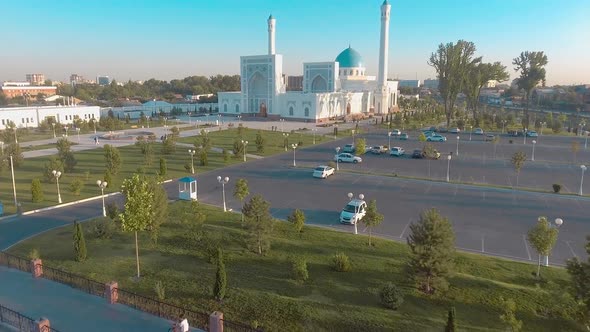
pixel 262 110
pixel 348 109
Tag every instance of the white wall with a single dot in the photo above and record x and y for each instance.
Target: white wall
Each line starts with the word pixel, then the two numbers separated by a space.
pixel 30 117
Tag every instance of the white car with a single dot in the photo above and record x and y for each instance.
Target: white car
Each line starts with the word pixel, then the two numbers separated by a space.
pixel 397 151
pixel 323 172
pixel 478 131
pixel 353 212
pixel 347 158
pixel 455 130
pixel 436 138
pixel 396 132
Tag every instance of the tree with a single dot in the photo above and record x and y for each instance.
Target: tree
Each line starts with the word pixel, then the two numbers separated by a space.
pixel 259 142
pixel 372 218
pixel 139 212
pixel 76 186
pixel 508 315
pixel 452 63
pixel 360 146
pixel 532 72
pixel 163 168
pixel 259 223
pixel 575 147
pixel 238 148
pixel 478 75
pixel 36 191
pixel 203 157
pixel 226 156
pixel 241 190
pixel 422 137
pixel 220 278
pixel 112 158
pixel 169 144
pixel 451 324
pixel 160 209
pixel 146 146
pixel 15 151
pixel 517 160
pixel 205 140
pixel 579 272
pixel 432 249
pixel 297 218
pixel 542 238
pixel 391 296
pixel 79 242
pixel 108 178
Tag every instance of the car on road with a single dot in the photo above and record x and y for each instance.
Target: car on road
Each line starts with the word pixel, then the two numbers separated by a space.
pixel 396 132
pixel 404 137
pixel 478 131
pixel 442 130
pixel 436 138
pixel 428 133
pixel 417 154
pixel 348 148
pixel 397 151
pixel 378 149
pixel 323 171
pixel 514 133
pixel 532 133
pixel 353 212
pixel 489 137
pixel 347 158
pixel 455 130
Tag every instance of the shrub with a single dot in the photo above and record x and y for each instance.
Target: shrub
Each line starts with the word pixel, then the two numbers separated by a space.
pixel 34 254
pixel 36 191
pixel 391 296
pixel 76 186
pixel 341 262
pixel 103 229
pixel 112 211
pixel 160 290
pixel 299 269
pixel 332 164
pixel 556 188
pixel 226 156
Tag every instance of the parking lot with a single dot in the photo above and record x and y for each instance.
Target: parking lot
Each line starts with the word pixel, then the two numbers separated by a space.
pixel 486 219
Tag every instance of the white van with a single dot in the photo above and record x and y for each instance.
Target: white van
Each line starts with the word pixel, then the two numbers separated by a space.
pixel 353 212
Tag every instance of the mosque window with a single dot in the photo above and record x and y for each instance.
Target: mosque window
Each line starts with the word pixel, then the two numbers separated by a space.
pixel 307 111
pixel 291 110
pixel 237 108
pixel 350 73
pixel 225 108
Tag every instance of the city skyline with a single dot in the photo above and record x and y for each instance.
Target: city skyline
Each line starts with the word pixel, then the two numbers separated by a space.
pixel 176 39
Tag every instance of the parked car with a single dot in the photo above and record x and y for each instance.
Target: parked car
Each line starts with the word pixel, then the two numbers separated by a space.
pixel 404 137
pixel 397 151
pixel 514 133
pixel 348 148
pixel 323 172
pixel 442 130
pixel 378 149
pixel 417 154
pixel 433 129
pixel 353 212
pixel 436 138
pixel 396 132
pixel 455 130
pixel 478 131
pixel 532 133
pixel 428 133
pixel 347 158
pixel 489 137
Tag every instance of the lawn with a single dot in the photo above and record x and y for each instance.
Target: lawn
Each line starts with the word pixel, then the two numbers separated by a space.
pixel 261 291
pixel 91 167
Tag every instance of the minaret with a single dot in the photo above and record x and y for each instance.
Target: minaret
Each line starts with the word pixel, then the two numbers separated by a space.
pixel 382 93
pixel 271 35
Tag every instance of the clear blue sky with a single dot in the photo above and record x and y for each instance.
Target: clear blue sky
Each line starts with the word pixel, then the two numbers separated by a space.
pixel 168 39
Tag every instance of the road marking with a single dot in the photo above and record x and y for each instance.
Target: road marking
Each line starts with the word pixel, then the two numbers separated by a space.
pixel 357 179
pixel 571 249
pixel 482 243
pixel 408 224
pixel 526 247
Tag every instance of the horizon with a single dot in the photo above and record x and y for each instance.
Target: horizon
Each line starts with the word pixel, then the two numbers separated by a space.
pixel 165 40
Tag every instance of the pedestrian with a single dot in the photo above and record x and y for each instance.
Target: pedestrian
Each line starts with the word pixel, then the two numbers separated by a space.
pixel 184 327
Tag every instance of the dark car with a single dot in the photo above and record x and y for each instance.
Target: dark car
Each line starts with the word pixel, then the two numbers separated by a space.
pixel 417 154
pixel 515 133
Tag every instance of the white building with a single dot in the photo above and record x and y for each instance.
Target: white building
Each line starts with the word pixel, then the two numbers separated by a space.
pixel 330 89
pixel 30 117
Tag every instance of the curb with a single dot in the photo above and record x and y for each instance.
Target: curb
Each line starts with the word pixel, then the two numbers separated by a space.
pixel 67 204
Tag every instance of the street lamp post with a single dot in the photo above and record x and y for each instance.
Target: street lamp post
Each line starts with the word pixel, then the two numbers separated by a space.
pixel 352 132
pixel 294 146
pixel 53 127
pixel 470 132
pixel 147 118
pixel 192 153
pixel 543 124
pixel 361 197
pixel 223 182
pixel 57 174
pixel 244 144
pixel 458 138
pixel 78 132
pixel 448 167
pixel 2 145
pixel 15 136
pixel 533 156
pixel 189 118
pixel 282 121
pixel 102 185
pixel 503 124
pixel 313 131
pixel 586 142
pixel 583 167
pixel 286 137
pixel 335 131
pixel 66 130
pixel 558 222
pixel 525 131
pixel 13 182
pixel 389 140
pixel 337 151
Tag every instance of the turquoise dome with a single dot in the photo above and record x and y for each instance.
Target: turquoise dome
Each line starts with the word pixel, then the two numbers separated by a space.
pixel 349 58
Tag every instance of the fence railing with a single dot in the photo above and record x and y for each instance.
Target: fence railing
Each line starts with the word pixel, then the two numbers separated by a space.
pixel 19 321
pixel 229 326
pixel 15 262
pixel 75 281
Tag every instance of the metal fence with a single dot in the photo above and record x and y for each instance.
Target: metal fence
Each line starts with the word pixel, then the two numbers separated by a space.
pixel 21 322
pixel 75 281
pixel 230 326
pixel 15 262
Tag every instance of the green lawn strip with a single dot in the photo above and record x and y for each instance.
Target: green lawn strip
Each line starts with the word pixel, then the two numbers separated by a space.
pixel 26 148
pixel 261 289
pixel 91 167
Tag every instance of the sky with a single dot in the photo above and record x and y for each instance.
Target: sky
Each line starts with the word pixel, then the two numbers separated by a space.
pixel 168 39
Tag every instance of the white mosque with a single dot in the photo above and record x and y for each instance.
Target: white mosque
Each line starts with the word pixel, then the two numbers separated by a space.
pixel 330 89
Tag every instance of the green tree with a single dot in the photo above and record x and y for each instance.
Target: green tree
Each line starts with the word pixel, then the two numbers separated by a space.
pixel 112 158
pixel 477 76
pixel 452 63
pixel 76 186
pixel 108 178
pixel 579 272
pixel 259 142
pixel 203 157
pixel 372 218
pixel 163 168
pixel 146 146
pixel 241 190
pixel 422 137
pixel 139 212
pixel 226 156
pixel 542 238
pixel 220 278
pixel 69 162
pixel 15 151
pixel 432 249
pixel 238 148
pixel 517 161
pixel 451 323
pixel 259 223
pixel 391 296
pixel 299 269
pixel 169 144
pixel 63 146
pixel 297 218
pixel 360 146
pixel 532 71
pixel 160 209
pixel 508 315
pixel 79 242
pixel 36 191
pixel 205 140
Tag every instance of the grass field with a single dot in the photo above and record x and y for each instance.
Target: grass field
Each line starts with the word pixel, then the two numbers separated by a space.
pixel 261 291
